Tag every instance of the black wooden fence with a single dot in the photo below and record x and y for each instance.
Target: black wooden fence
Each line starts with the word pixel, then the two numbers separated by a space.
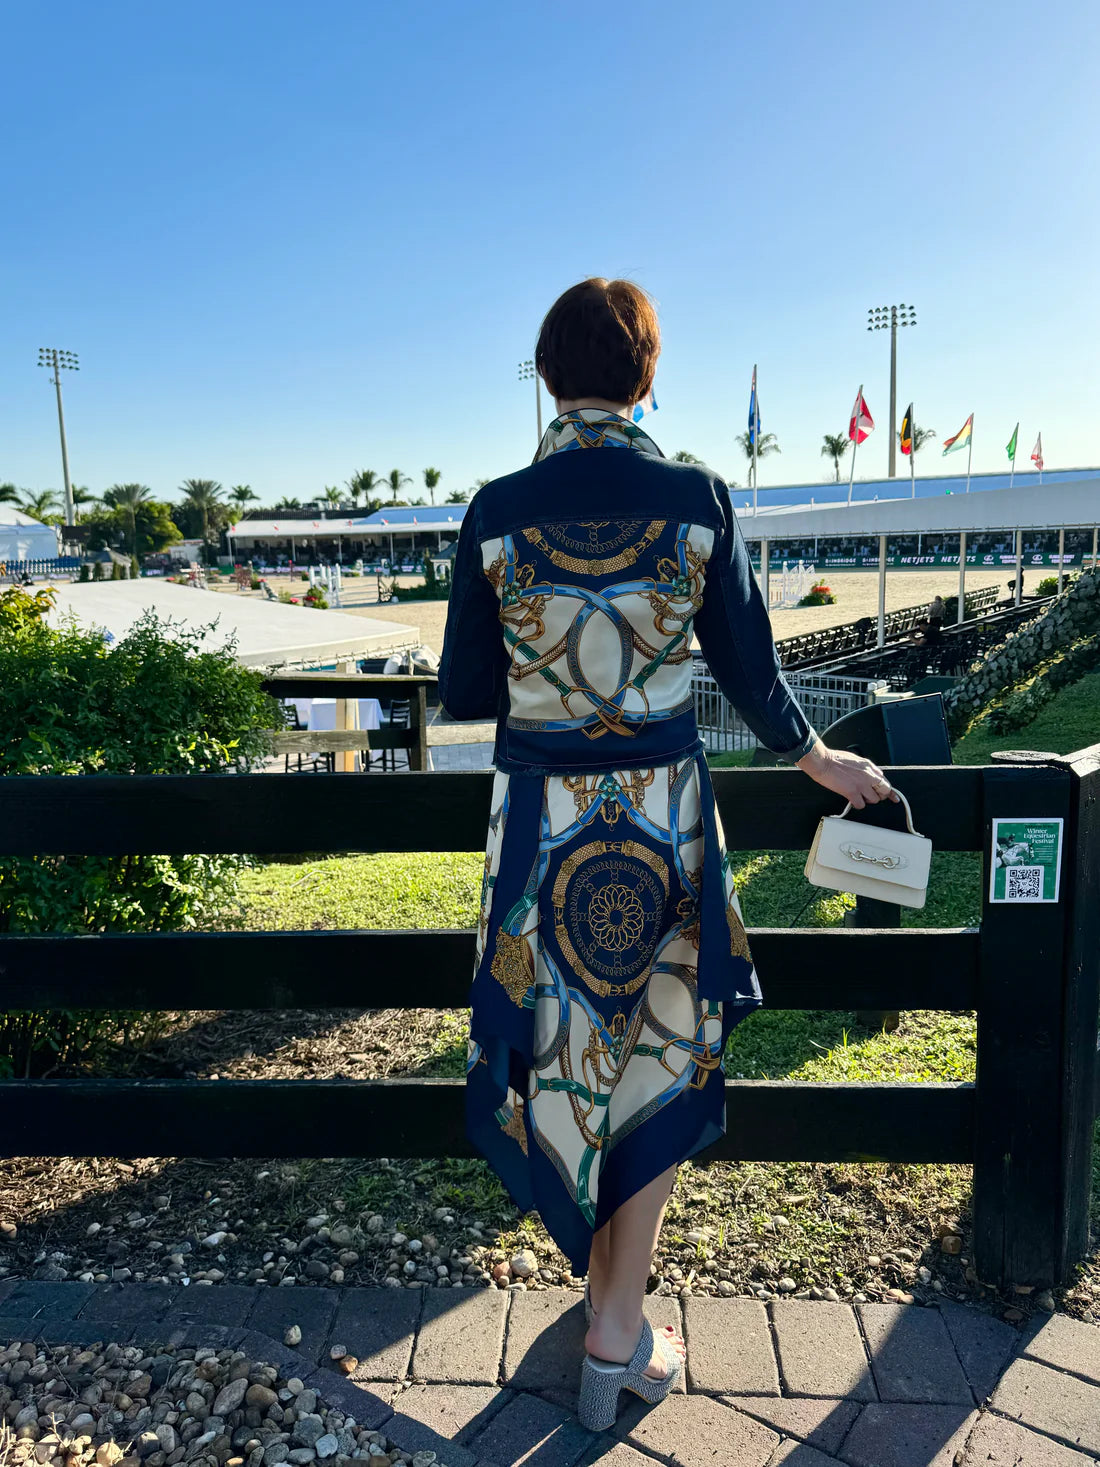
pixel 1030 972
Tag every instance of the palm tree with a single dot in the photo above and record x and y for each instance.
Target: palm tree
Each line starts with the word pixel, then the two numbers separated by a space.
pixel 365 482
pixel 920 437
pixel 765 444
pixel 332 495
pixel 394 481
pixel 431 479
pixel 241 494
pixel 286 503
pixel 458 496
pixel 681 456
pixel 9 494
pixel 42 504
pixel 835 446
pixel 128 497
pixel 204 496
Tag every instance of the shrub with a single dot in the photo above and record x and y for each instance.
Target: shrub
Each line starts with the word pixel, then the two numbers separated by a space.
pixel 304 576
pixel 818 595
pixel 160 702
pixel 287 599
pixel 85 573
pixel 116 571
pixel 1048 586
pixel 135 569
pixel 97 571
pixel 255 583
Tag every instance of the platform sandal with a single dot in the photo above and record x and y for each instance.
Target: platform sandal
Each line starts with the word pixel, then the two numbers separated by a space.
pixel 602 1380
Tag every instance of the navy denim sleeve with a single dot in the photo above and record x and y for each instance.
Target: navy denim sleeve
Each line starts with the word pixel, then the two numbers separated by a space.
pixel 736 639
pixel 473 665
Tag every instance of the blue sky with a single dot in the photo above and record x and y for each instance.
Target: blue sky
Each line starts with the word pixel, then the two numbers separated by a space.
pixel 293 241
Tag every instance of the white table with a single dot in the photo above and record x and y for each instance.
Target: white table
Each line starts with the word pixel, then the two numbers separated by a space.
pixel 320 714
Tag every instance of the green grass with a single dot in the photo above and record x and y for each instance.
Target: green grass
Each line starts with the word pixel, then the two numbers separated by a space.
pixel 1070 721
pixel 334 892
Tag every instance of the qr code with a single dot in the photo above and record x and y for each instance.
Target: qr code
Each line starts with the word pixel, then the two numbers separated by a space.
pixel 1024 883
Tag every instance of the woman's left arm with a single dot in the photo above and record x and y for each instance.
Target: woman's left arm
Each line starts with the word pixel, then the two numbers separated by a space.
pixel 474 664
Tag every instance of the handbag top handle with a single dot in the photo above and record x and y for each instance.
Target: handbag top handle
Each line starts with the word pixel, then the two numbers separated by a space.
pixel 904 801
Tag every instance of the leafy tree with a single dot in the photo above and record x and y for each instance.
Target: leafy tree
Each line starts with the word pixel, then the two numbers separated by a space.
pixel 151 529
pixel 765 444
pixel 203 500
pixel 921 436
pixel 42 505
pixel 835 446
pixel 681 456
pixel 127 497
pixel 241 494
pixel 395 481
pixel 365 482
pixel 431 480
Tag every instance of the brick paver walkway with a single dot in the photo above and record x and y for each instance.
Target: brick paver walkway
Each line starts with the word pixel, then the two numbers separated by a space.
pixel 488 1379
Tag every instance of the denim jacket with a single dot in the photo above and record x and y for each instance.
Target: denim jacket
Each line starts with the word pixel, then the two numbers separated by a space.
pixel 578 584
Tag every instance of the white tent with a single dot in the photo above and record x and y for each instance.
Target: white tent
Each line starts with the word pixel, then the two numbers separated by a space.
pixel 22 538
pixel 268 634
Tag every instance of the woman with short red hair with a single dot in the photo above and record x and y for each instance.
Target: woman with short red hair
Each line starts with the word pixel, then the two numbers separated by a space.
pixel 612 962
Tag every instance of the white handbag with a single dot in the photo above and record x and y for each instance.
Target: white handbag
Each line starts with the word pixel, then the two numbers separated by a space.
pixel 871 860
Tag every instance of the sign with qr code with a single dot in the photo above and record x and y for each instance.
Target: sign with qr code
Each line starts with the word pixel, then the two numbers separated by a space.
pixel 1026 863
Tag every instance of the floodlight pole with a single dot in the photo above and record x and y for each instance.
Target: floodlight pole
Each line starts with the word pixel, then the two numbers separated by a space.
pixel 878 319
pixel 55 360
pixel 526 371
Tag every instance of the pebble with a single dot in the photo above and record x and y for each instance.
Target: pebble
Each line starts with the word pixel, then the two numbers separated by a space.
pixel 228 1398
pixel 293 1336
pixel 327 1445
pixel 524 1264
pixel 337 1352
pixel 215 1240
pixel 787 1285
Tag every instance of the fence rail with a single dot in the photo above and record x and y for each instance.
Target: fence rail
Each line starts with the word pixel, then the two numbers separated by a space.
pixel 1030 973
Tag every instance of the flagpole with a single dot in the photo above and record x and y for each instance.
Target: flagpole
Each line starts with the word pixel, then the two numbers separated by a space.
pixel 1012 460
pixel 755 434
pixel 912 457
pixel 969 452
pixel 855 441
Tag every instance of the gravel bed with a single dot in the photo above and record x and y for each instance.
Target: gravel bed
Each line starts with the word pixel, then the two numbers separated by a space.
pixel 119 1406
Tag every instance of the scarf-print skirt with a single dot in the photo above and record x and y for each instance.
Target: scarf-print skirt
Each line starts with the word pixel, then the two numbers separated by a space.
pixel 611 967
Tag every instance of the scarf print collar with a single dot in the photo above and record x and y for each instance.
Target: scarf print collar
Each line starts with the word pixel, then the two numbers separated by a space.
pixel 593 428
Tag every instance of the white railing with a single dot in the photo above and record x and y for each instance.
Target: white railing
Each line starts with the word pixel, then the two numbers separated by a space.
pixel 824 697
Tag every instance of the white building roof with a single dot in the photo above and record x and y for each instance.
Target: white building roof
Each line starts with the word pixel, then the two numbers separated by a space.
pixel 1031 506
pixel 22 538
pixel 268 633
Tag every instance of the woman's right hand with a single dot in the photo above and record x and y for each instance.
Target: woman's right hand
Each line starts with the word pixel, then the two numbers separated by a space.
pixel 855 779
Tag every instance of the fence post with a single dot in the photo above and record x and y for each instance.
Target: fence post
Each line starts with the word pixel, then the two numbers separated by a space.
pixel 1081 1012
pixel 418 752
pixel 1019 1193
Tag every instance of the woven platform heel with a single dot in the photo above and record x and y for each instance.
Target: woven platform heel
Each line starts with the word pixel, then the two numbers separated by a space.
pixel 602 1380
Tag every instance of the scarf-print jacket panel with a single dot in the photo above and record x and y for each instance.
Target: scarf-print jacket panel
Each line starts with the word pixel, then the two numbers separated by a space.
pixel 578 585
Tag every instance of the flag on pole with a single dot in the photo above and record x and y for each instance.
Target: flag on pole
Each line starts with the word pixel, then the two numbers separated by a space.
pixel 907 430
pixel 648 404
pixel 861 423
pixel 961 438
pixel 754 412
pixel 1010 448
pixel 1037 453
